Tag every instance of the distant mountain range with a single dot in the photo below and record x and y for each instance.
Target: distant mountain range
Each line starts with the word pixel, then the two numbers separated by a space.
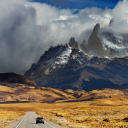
pixel 101 62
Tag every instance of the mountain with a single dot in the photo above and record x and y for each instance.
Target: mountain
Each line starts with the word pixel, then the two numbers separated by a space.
pixel 73 43
pixel 95 42
pixel 84 46
pixel 102 62
pixel 104 42
pixel 6 78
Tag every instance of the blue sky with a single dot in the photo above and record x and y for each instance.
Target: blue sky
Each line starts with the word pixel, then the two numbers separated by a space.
pixel 80 4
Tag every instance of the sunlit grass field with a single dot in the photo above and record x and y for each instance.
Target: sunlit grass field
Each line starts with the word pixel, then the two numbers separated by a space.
pixel 106 108
pixel 7 117
pixel 72 115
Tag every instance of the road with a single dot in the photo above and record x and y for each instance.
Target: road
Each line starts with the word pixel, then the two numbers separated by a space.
pixel 29 121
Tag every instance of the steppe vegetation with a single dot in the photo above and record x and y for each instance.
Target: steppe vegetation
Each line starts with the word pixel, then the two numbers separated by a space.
pixel 7 117
pixel 106 108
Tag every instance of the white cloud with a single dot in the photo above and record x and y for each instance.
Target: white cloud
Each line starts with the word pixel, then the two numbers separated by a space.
pixel 120 15
pixel 28 29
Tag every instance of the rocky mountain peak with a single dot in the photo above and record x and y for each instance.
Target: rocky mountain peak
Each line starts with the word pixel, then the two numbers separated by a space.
pixel 97 29
pixel 56 57
pixel 84 42
pixel 84 46
pixel 111 22
pixel 86 66
pixel 73 43
pixel 95 44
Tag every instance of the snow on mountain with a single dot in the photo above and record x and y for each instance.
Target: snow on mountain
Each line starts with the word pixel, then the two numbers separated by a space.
pixel 105 43
pixel 63 57
pixel 55 57
pixel 66 67
pixel 101 62
pixel 109 44
pixel 101 43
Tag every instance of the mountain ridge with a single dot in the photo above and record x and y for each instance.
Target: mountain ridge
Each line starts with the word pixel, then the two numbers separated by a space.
pixel 93 65
pixel 79 70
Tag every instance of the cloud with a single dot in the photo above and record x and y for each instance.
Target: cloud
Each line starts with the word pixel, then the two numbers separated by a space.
pixel 27 29
pixel 120 15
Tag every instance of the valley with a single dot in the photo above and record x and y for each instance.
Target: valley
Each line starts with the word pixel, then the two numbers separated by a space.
pixel 67 108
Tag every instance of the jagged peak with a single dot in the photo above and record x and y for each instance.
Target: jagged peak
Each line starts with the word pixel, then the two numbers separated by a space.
pixel 73 43
pixel 84 46
pixel 97 28
pixel 84 42
pixel 73 39
pixel 95 44
pixel 111 22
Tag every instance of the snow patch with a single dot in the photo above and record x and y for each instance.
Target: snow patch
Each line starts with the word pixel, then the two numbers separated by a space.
pixel 113 46
pixel 63 57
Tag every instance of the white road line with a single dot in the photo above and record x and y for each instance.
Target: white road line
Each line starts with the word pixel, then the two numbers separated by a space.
pixel 20 122
pixel 49 124
pixel 33 123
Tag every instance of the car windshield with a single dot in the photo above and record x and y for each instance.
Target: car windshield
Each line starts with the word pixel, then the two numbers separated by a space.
pixel 39 117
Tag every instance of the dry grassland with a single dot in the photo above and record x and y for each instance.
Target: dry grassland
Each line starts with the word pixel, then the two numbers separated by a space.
pixel 91 114
pixel 24 93
pixel 106 108
pixel 7 117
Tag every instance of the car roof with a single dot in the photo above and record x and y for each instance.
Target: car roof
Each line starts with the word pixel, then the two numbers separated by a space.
pixel 40 117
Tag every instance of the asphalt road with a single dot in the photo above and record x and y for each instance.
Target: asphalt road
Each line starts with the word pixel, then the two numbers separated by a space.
pixel 29 121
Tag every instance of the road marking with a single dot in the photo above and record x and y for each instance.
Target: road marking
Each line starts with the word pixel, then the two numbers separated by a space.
pixel 50 124
pixel 34 126
pixel 33 123
pixel 20 122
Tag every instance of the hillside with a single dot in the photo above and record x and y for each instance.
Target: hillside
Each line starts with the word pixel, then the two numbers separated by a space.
pixel 24 93
pixel 27 93
pixel 6 78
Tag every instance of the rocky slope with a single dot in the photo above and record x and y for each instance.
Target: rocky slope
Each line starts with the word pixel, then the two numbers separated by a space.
pixel 100 63
pixel 103 42
pixel 95 42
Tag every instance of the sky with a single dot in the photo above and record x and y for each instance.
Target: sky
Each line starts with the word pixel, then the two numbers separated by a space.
pixel 28 28
pixel 80 4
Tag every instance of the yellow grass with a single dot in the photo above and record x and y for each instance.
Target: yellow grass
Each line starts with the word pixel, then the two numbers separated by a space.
pixel 107 108
pixel 4 88
pixel 7 117
pixel 73 115
pixel 30 94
